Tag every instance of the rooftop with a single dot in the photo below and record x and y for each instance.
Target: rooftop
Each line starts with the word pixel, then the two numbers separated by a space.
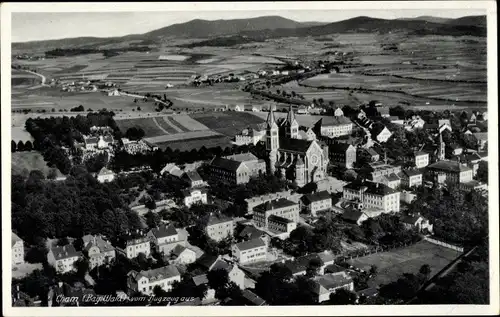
pixel 89 241
pixel 279 219
pixel 15 238
pixel 328 282
pixel 481 136
pixel 65 252
pixel 243 157
pixel 226 164
pixel 301 264
pixel 217 219
pixel 449 166
pixel 193 176
pixel 318 196
pixel 412 172
pixel 251 244
pixel 159 274
pixel 352 215
pixel 294 145
pixel 371 188
pixel 274 204
pixel 164 231
pixel 252 297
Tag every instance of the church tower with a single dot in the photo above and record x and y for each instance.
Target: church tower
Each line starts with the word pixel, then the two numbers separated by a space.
pixel 272 140
pixel 292 126
pixel 300 177
pixel 441 153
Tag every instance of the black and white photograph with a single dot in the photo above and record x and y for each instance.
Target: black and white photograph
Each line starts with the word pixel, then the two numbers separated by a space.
pixel 320 158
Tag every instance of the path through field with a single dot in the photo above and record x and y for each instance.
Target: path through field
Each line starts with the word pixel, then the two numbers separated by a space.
pixel 167 120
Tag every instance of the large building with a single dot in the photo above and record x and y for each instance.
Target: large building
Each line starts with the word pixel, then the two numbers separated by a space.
pixel 333 127
pixel 330 283
pixel 63 258
pixel 98 250
pixel 236 169
pixel 280 207
pixel 298 160
pixel 165 238
pixel 250 251
pixel 194 196
pixel 250 136
pixel 411 177
pixel 132 246
pixel 378 170
pixel 145 281
pixel 343 154
pixel 373 196
pixel 450 171
pixel 317 202
pixel 17 249
pixel 219 227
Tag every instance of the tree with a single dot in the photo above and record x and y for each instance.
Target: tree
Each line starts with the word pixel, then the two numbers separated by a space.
pixel 28 146
pixel 343 297
pixel 150 204
pixel 13 146
pixel 482 172
pixel 20 146
pixel 373 270
pixel 152 219
pixel 425 270
pixel 82 267
pixel 52 173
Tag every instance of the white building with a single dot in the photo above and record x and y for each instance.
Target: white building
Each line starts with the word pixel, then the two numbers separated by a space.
pixel 145 281
pixel 165 238
pixel 105 175
pixel 182 255
pixel 194 196
pixel 135 246
pixel 17 249
pixel 63 258
pixel 373 196
pixel 98 250
pixel 250 251
pixel 318 201
pixel 330 283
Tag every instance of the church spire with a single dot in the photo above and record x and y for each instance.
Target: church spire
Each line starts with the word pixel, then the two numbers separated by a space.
pixel 270 118
pixel 291 115
pixel 441 154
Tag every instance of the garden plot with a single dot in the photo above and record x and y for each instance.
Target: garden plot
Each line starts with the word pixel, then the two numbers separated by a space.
pixel 180 136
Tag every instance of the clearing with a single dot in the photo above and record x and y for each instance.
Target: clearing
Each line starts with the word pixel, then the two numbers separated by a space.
pixel 24 162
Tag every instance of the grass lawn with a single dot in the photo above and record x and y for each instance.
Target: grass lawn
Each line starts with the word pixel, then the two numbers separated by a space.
pixel 392 264
pixel 24 162
pixel 149 126
pixel 22 270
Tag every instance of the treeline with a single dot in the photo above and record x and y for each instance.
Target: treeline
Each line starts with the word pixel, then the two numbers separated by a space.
pixel 74 207
pixel 68 52
pixel 225 41
pixel 21 146
pixel 123 160
pixel 54 137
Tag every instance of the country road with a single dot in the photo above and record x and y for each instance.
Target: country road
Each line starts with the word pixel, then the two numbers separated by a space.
pixel 44 79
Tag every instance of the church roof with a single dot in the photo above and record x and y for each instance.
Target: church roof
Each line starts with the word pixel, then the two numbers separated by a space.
pixel 291 115
pixel 270 118
pixel 225 163
pixel 294 145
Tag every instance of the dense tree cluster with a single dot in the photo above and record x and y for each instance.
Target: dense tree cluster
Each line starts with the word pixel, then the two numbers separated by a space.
pixel 74 207
pixel 21 146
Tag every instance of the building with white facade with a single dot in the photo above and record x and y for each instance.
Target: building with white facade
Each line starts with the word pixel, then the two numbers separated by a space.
pixel 145 281
pixel 98 250
pixel 250 251
pixel 318 201
pixel 63 258
pixel 279 207
pixel 17 249
pixel 373 196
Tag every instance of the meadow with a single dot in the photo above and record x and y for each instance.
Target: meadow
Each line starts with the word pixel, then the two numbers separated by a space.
pixel 228 123
pixel 392 264
pixel 24 162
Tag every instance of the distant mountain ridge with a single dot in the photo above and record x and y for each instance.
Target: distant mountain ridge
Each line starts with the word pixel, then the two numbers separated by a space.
pixel 276 26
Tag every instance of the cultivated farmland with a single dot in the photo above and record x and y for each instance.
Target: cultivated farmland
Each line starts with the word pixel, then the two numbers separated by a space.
pixel 228 123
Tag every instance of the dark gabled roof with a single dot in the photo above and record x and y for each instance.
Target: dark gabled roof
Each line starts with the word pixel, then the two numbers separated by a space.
pixel 15 238
pixel 242 157
pixel 221 265
pixel 279 219
pixel 449 166
pixel 193 176
pixel 481 136
pixel 371 188
pixel 207 260
pixel 352 215
pixel 274 204
pixel 252 298
pixel 318 196
pixel 372 152
pixel 392 177
pixel 295 145
pixel 251 244
pixel 178 250
pixel 335 121
pixel 226 164
pixel 300 264
pixel 420 153
pixel 200 279
pixel 189 191
pixel 333 281
pixel 91 140
pixel 339 147
pixel 412 172
pixel 64 252
pixel 334 268
pixel 103 245
pixel 164 231
pixel 251 232
pixel 383 110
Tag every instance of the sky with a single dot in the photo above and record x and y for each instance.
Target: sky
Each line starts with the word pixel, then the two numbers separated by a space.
pixel 36 26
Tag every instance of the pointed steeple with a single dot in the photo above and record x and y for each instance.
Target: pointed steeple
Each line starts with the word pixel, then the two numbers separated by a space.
pixel 291 116
pixel 270 118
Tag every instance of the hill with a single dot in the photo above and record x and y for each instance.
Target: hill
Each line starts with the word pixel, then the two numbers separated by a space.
pixel 476 20
pixel 428 19
pixel 204 28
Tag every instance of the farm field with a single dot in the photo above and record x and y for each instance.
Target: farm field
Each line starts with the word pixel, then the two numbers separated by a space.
pixel 435 90
pixel 196 143
pixel 183 136
pixel 24 162
pixel 303 119
pixel 392 264
pixel 228 123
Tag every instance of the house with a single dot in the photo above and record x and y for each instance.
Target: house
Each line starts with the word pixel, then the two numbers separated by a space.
pixel 472 160
pixel 318 201
pixel 182 255
pixel 250 251
pixel 396 120
pixel 343 154
pixel 113 92
pixel 145 281
pixel 17 249
pixel 450 171
pixel 392 180
pixel 194 196
pixel 219 227
pixel 354 216
pixel 329 283
pixel 250 232
pixel 104 142
pixel 90 143
pixel 372 195
pixel 300 265
pixel 131 246
pixel 418 222
pixel 63 258
pixel 165 238
pixel 334 127
pixel 383 111
pixel 172 169
pixel 236 169
pixel 250 136
pixel 372 154
pixel 98 250
pixel 338 112
pixel 280 226
pixel 481 139
pixel 105 175
pixel 279 207
pixel 209 263
pixel 193 179
pixel 454 149
pixel 414 123
pixel 202 279
pixel 411 177
pixel 378 170
pixel 302 110
pixel 444 124
pixel 380 133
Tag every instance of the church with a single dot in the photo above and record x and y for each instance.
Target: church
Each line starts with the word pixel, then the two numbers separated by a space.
pixel 299 160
